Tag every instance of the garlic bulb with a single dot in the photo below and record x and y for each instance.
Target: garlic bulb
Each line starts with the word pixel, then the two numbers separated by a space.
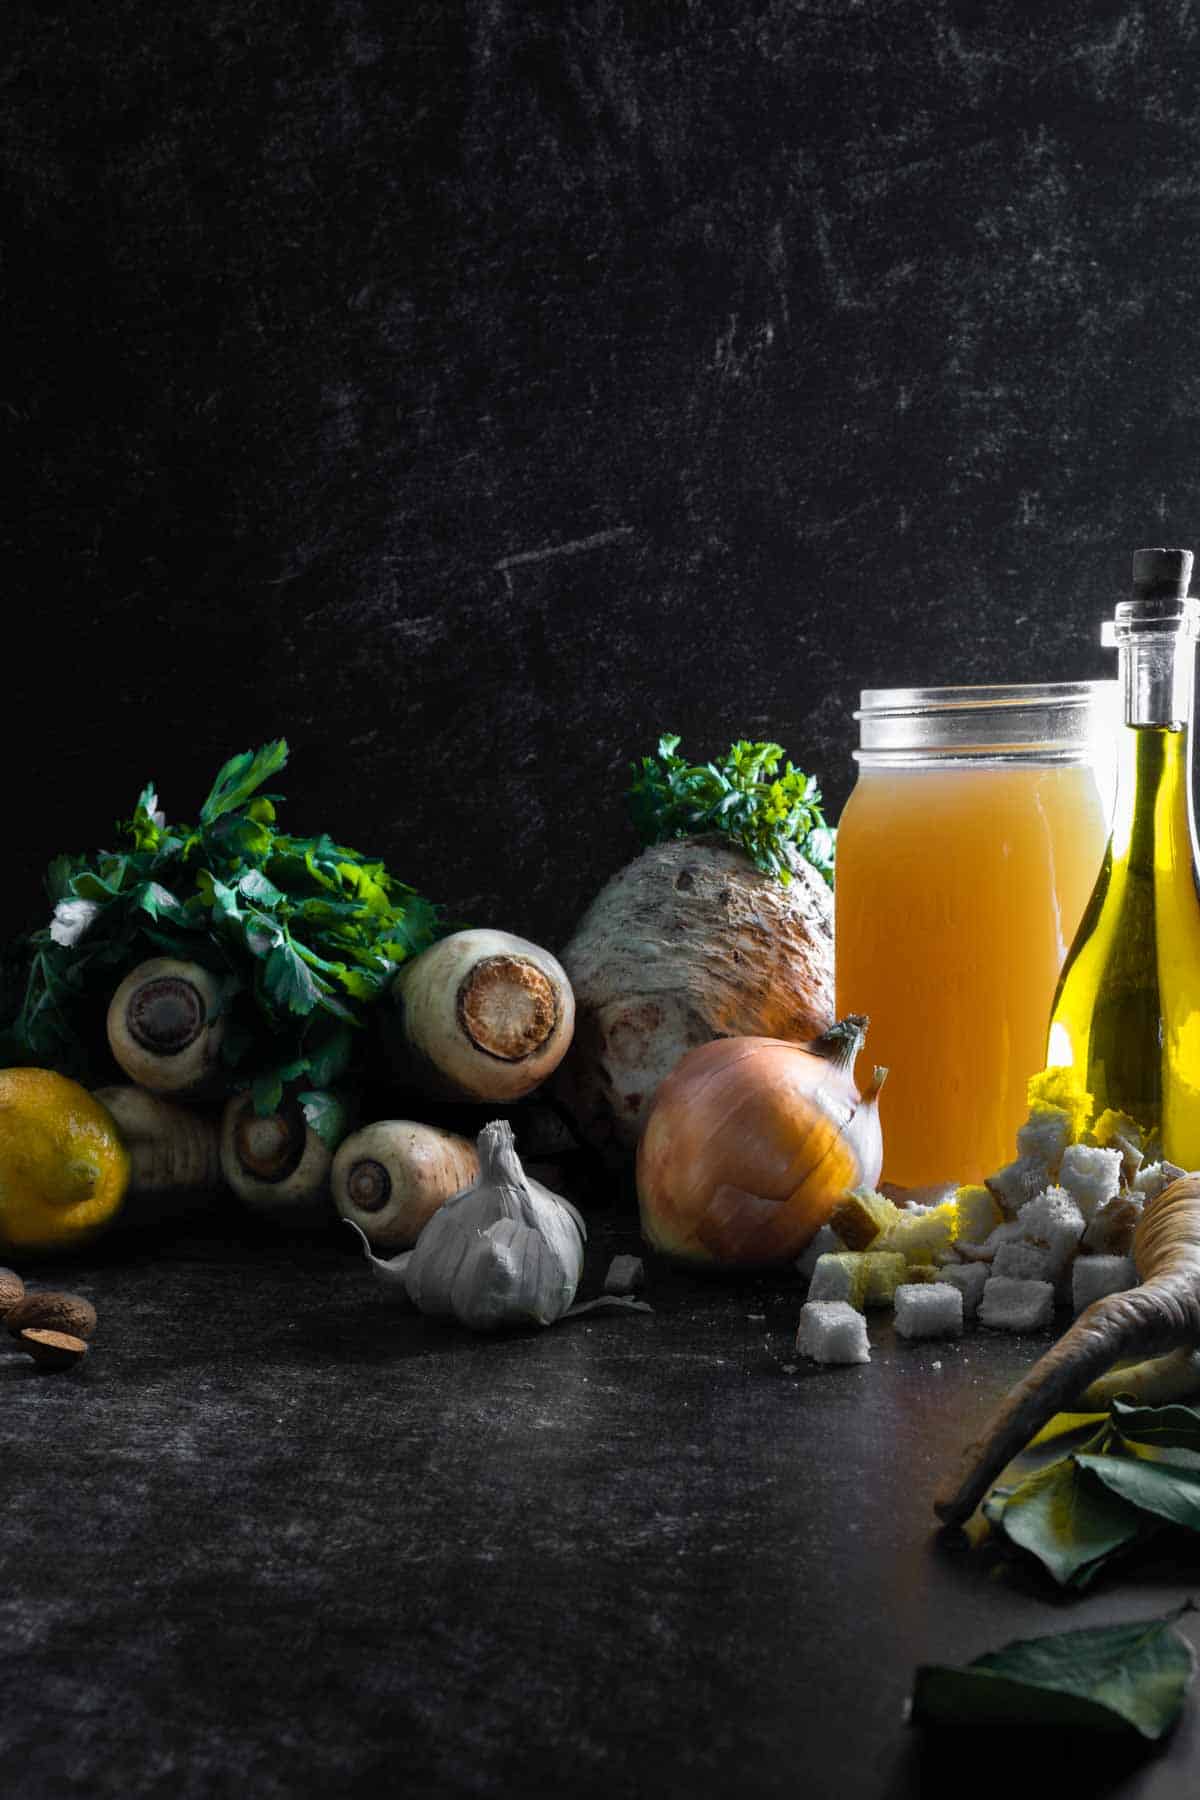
pixel 503 1252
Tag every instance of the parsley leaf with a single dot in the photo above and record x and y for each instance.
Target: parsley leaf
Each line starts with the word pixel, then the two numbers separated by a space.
pixel 305 934
pixel 744 796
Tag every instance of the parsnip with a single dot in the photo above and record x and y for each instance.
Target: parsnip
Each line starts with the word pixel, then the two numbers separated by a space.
pixel 1160 1316
pixel 165 1026
pixel 170 1147
pixel 391 1177
pixel 482 1015
pixel 1150 1383
pixel 277 1165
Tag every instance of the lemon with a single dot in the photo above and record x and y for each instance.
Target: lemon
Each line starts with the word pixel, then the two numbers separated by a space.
pixel 63 1167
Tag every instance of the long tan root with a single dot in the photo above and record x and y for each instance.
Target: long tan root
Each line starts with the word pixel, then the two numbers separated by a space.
pixel 1161 1315
pixel 1151 1383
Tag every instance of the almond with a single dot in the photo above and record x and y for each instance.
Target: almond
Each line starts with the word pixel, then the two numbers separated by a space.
pixel 51 1311
pixel 53 1349
pixel 12 1289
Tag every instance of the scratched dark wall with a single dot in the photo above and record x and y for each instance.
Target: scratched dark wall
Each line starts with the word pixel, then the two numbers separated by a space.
pixel 470 392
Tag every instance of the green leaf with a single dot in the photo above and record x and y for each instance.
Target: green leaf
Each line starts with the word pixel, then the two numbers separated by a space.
pixel 1174 1425
pixel 241 777
pixel 159 902
pixel 228 894
pixel 237 1041
pixel 1065 1518
pixel 267 1092
pixel 744 796
pixel 255 886
pixel 1115 1678
pixel 58 878
pixel 329 1058
pixel 1065 1425
pixel 327 1114
pixel 223 901
pixel 1165 1491
pixel 289 982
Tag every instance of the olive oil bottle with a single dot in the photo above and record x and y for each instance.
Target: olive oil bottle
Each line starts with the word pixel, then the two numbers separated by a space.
pixel 1126 1014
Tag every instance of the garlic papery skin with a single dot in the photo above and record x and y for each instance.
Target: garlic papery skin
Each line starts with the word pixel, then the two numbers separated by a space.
pixel 506 1251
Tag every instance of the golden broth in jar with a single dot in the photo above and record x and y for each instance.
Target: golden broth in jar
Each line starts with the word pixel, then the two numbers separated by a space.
pixel 966 855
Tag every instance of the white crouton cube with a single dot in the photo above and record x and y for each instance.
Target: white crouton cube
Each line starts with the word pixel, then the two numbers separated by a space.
pixel 1053 1222
pixel 1111 1227
pixel 976 1214
pixel 825 1243
pixel 1017 1183
pixel 830 1331
pixel 1091 1176
pixel 919 1233
pixel 626 1274
pixel 1123 1133
pixel 1152 1178
pixel 1008 1233
pixel 1149 1180
pixel 929 1309
pixel 862 1278
pixel 861 1215
pixel 883 1271
pixel 839 1275
pixel 969 1279
pixel 1023 1262
pixel 1009 1305
pixel 1131 1157
pixel 1044 1135
pixel 1094 1276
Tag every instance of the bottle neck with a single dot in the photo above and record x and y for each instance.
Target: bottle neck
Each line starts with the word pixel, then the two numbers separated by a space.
pixel 1152 819
pixel 1156 671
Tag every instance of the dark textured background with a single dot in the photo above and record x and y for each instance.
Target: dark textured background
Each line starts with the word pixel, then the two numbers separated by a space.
pixel 470 392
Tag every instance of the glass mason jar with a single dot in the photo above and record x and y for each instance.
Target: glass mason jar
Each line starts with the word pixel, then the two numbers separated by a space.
pixel 965 857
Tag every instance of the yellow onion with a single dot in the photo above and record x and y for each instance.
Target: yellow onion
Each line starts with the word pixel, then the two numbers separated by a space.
pixel 751 1142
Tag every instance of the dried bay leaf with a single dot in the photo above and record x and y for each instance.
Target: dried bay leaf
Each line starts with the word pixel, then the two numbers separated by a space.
pixel 1159 1488
pixel 1113 1678
pixel 1175 1425
pixel 1065 1518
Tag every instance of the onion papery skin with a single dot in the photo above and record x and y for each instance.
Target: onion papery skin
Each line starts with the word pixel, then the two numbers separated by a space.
pixel 748 1147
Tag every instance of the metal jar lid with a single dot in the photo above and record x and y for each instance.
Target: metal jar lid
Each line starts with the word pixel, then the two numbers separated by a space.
pixel 1057 721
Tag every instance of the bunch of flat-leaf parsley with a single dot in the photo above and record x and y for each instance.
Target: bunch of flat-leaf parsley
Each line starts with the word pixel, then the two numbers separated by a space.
pixel 303 934
pixel 743 795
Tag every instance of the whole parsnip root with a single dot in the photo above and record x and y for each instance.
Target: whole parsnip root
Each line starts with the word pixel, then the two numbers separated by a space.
pixel 170 1146
pixel 483 1015
pixel 1161 1315
pixel 165 1027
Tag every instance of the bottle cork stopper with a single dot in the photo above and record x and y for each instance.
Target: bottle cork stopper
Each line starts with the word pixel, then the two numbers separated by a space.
pixel 1161 574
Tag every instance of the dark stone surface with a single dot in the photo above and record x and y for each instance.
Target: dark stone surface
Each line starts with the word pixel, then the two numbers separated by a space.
pixel 471 392
pixel 276 1538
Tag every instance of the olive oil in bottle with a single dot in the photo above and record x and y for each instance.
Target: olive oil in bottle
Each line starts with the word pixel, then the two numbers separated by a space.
pixel 1126 1014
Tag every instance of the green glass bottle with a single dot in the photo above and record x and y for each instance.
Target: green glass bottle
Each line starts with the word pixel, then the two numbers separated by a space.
pixel 1126 1014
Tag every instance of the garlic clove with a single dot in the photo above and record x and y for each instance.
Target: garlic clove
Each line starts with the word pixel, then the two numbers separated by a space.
pixel 388 1271
pixel 505 1251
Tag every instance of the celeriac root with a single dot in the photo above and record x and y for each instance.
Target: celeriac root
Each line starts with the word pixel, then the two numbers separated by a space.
pixel 1160 1316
